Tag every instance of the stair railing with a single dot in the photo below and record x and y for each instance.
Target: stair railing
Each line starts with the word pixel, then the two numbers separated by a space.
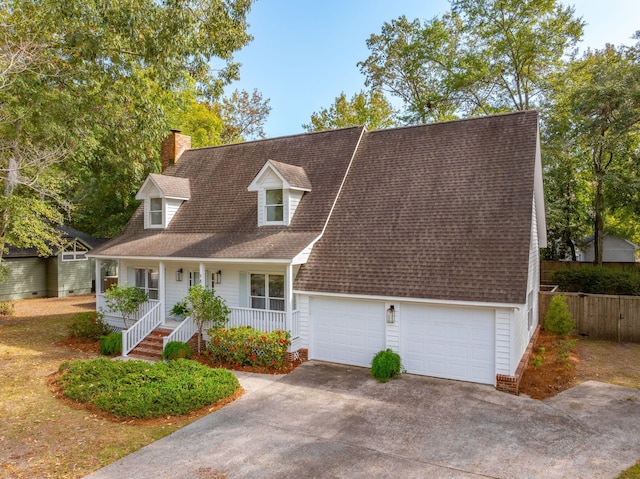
pixel 135 334
pixel 184 332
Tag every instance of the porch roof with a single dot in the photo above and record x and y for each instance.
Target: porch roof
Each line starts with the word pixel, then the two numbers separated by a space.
pixel 265 245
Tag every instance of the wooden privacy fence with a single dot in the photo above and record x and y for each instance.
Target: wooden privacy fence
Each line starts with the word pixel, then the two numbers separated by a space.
pixel 600 316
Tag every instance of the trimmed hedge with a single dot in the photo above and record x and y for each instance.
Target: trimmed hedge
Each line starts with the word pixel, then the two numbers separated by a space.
pixel 176 350
pixel 598 280
pixel 386 365
pixel 142 390
pixel 246 346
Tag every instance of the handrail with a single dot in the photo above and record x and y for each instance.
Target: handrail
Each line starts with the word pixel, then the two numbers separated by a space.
pixel 135 334
pixel 184 332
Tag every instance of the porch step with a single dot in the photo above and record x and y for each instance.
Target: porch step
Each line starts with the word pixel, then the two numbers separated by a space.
pixel 151 346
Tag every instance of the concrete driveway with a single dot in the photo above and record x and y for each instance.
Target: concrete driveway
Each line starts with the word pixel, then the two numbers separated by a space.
pixel 325 420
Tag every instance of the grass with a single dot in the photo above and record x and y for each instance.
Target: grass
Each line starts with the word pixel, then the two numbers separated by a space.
pixel 42 436
pixel 632 473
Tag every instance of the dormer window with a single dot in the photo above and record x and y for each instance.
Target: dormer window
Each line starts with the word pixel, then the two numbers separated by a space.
pixel 162 196
pixel 155 211
pixel 280 189
pixel 274 206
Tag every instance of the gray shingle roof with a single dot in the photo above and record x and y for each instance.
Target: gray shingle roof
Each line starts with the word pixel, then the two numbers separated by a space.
pixel 441 211
pixel 171 186
pixel 295 175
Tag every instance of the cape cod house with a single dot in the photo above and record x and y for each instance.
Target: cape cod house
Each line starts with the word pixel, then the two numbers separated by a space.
pixel 421 239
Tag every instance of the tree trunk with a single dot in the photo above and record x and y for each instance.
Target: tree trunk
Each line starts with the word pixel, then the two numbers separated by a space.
pixel 599 224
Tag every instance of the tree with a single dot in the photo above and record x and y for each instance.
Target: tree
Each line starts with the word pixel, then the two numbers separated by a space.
pixel 243 116
pixel 365 108
pixel 410 61
pixel 603 97
pixel 510 49
pixel 109 73
pixel 125 300
pixel 206 308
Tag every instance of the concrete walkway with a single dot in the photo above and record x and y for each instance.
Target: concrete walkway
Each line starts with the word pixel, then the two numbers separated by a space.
pixel 331 421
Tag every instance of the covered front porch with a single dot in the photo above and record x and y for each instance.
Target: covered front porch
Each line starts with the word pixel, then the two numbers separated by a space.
pixel 258 295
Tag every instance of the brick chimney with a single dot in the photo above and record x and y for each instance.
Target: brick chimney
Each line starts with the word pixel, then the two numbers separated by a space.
pixel 173 146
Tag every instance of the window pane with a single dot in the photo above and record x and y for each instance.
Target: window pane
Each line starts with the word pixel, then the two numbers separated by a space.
pixel 276 286
pixel 153 294
pixel 274 197
pixel 257 303
pixel 276 304
pixel 67 256
pixel 140 278
pixel 155 204
pixel 153 279
pixel 274 213
pixel 257 285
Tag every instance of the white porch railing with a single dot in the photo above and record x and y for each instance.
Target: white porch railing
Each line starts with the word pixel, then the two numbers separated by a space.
pixel 263 320
pixel 184 332
pixel 295 320
pixel 135 334
pixel 143 310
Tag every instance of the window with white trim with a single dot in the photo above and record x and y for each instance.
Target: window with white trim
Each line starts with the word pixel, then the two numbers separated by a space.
pixel 274 206
pixel 155 211
pixel 72 253
pixel 147 281
pixel 267 291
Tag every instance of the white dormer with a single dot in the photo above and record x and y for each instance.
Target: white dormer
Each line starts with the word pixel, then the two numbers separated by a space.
pixel 280 188
pixel 162 196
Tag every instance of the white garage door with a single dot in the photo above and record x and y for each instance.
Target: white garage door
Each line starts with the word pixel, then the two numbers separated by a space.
pixel 448 342
pixel 346 331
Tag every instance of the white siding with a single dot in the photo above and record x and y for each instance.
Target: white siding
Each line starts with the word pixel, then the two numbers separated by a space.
pixel 170 209
pixel 294 197
pixel 303 322
pixel 503 341
pixel 614 250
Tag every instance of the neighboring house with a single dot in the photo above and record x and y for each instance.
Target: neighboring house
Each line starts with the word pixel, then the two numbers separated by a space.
pixel 66 272
pixel 421 239
pixel 614 250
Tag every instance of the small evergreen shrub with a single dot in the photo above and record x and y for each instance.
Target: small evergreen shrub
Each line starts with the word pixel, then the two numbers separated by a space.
pixel 386 365
pixel 6 308
pixel 559 320
pixel 176 350
pixel 89 325
pixel 138 389
pixel 598 280
pixel 246 346
pixel 111 344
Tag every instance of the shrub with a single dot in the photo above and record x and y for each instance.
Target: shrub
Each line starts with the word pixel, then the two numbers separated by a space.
pixel 176 350
pixel 6 308
pixel 385 365
pixel 89 325
pixel 559 320
pixel 206 308
pixel 180 309
pixel 246 346
pixel 125 300
pixel 111 344
pixel 598 280
pixel 142 390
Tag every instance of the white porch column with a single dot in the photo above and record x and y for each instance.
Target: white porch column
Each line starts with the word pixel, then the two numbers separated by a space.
pixel 288 297
pixel 98 265
pixel 162 272
pixel 203 271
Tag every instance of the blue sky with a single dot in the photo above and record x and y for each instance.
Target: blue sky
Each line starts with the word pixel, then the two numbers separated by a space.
pixel 305 52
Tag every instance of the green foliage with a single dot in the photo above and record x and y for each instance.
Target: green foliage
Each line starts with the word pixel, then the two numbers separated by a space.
pixel 125 300
pixel 537 361
pixel 245 346
pixel 180 309
pixel 598 280
pixel 386 365
pixel 559 320
pixel 89 325
pixel 6 308
pixel 365 108
pixel 176 350
pixel 564 347
pixel 138 389
pixel 207 308
pixel 111 344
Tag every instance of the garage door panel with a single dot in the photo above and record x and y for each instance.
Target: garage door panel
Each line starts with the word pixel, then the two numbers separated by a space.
pixel 346 331
pixel 448 342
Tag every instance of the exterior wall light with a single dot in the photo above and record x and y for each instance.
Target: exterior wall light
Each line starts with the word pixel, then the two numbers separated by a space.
pixel 218 276
pixel 179 275
pixel 391 314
